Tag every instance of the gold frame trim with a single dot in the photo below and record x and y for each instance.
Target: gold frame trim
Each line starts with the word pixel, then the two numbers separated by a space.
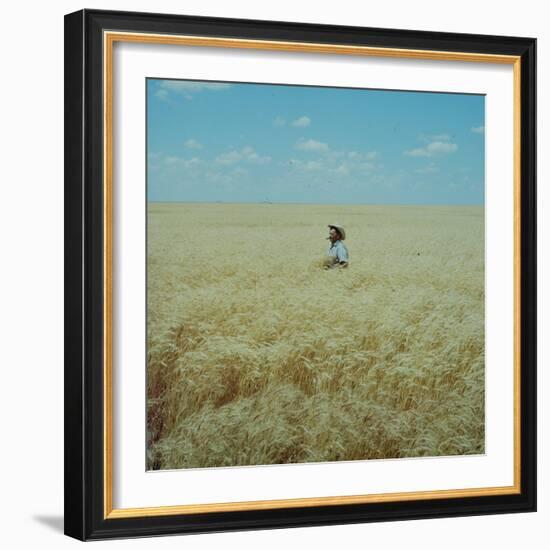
pixel 109 38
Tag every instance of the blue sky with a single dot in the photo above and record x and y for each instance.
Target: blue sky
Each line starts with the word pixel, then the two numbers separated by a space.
pixel 231 142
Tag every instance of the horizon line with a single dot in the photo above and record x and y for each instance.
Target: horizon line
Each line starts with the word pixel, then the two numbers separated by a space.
pixel 315 203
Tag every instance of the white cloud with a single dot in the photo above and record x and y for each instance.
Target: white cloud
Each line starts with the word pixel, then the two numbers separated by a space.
pixel 433 148
pixel 307 166
pixel 430 169
pixel 161 94
pixel 172 160
pixel 343 169
pixel 195 161
pixel 218 178
pixel 193 144
pixel 441 137
pixel 251 156
pixel 419 152
pixel 434 137
pixel 181 85
pixel 187 88
pixel 182 162
pixel 246 154
pixel 341 163
pixel 301 122
pixel 229 158
pixel 311 145
pixel 279 121
pixel 313 165
pixel 294 162
pixel 437 147
pixel 478 129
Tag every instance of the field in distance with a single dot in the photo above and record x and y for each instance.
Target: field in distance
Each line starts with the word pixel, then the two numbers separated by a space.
pixel 256 355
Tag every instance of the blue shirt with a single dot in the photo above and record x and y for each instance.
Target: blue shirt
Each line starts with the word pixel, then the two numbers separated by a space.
pixel 339 250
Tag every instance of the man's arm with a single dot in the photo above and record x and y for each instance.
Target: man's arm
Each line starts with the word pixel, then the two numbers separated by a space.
pixel 342 256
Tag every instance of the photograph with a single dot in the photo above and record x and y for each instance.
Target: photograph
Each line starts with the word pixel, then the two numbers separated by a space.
pixel 315 274
pixel 300 274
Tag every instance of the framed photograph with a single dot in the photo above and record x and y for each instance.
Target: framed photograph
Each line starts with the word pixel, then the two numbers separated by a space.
pixel 300 274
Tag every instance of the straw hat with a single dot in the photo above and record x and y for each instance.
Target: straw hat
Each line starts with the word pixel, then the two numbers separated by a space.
pixel 340 230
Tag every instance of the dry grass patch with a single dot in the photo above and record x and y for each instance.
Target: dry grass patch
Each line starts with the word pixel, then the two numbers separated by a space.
pixel 258 356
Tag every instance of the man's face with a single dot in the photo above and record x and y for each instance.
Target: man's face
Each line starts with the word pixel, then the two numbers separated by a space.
pixel 333 235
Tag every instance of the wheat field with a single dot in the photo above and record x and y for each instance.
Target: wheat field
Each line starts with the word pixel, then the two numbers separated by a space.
pixel 256 355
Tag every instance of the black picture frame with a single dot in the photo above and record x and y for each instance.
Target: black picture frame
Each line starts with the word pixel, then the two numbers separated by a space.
pixel 85 516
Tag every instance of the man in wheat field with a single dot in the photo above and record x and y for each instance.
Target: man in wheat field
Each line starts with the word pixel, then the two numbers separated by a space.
pixel 337 253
